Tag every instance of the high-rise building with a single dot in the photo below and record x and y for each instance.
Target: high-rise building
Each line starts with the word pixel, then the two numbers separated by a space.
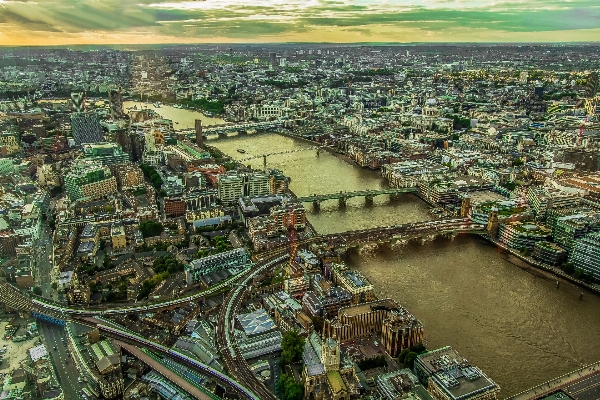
pixel 273 58
pixel 77 102
pixel 231 188
pixel 86 128
pixel 90 180
pixel 257 184
pixel 586 255
pixel 105 153
pixel 278 181
pixel 115 100
pixel 199 132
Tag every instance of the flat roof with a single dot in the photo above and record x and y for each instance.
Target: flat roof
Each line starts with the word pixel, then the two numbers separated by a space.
pixel 38 352
pixel 364 308
pixel 454 375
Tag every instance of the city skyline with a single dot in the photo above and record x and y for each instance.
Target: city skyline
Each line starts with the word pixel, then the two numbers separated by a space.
pixel 64 22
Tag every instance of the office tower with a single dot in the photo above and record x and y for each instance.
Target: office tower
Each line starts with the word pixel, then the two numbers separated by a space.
pixel 77 102
pixel 273 58
pixel 104 153
pixel 89 180
pixel 86 128
pixel 199 132
pixel 115 100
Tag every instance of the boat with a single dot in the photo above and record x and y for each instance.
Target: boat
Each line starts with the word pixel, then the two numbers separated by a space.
pixel 176 123
pixel 241 151
pixel 156 105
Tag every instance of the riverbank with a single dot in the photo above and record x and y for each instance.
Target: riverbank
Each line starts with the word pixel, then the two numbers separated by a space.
pixel 554 271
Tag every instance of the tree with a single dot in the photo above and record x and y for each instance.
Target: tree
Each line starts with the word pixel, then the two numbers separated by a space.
pixel 37 290
pixel 54 285
pixel 290 390
pixel 402 355
pixel 568 268
pixel 409 360
pixel 292 347
pixel 418 348
pixel 151 228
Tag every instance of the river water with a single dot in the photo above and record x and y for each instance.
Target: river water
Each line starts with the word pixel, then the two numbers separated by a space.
pixel 323 174
pixel 513 324
pixel 185 118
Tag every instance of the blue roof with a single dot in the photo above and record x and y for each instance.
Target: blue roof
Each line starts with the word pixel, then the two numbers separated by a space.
pixel 211 221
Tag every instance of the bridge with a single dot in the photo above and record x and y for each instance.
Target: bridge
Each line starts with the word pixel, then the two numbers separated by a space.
pixel 401 234
pixel 343 197
pixel 227 128
pixel 264 156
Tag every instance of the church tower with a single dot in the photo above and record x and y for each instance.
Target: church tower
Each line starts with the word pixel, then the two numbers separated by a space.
pixel 330 354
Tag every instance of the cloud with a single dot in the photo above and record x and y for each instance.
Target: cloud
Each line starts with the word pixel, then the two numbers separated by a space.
pixel 83 21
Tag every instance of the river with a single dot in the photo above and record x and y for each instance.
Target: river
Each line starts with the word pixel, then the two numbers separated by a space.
pixel 323 174
pixel 185 118
pixel 514 325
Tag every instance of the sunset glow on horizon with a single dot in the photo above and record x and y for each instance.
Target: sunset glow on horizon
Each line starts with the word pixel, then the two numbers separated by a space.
pixel 69 22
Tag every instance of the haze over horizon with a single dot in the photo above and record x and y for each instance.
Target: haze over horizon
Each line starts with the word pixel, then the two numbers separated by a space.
pixel 72 22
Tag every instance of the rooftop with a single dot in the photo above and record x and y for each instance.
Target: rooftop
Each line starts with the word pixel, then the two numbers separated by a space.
pixel 364 308
pixel 454 375
pixel 256 322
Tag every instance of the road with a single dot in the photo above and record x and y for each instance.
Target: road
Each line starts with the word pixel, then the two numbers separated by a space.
pixel 43 264
pixel 63 365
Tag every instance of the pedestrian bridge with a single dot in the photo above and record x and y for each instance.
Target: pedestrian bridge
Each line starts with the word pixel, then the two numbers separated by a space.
pixel 264 156
pixel 342 197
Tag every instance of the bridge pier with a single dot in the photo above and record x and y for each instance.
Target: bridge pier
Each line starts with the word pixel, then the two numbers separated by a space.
pixel 452 236
pixel 318 152
pixel 395 196
pixel 369 199
pixel 317 204
pixel 342 201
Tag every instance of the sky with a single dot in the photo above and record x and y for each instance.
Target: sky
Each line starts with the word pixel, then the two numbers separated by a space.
pixel 70 22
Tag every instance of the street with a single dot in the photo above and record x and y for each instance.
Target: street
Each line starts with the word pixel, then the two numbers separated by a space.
pixel 63 365
pixel 43 264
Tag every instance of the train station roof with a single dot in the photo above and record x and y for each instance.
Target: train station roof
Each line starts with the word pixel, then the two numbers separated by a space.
pixel 256 322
